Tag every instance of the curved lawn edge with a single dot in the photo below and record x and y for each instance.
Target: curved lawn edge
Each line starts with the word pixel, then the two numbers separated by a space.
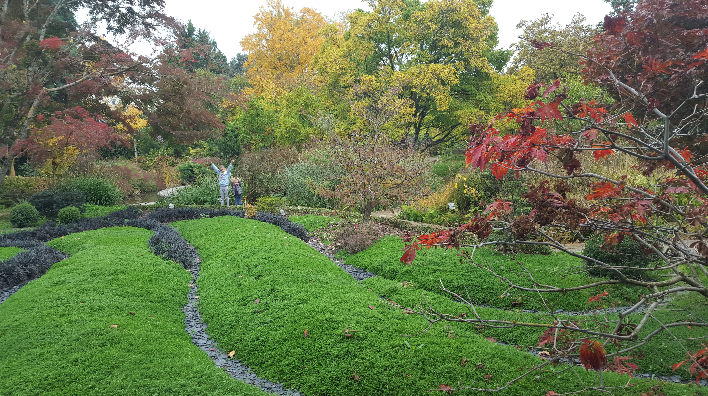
pixel 170 249
pixel 291 315
pixel 106 320
pixel 166 243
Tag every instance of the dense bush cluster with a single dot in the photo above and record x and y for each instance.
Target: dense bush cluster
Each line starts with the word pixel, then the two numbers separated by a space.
pixel 50 202
pixel 300 178
pixel 96 190
pixel 270 204
pixel 69 214
pixel 628 253
pixel 28 265
pixel 204 191
pixel 190 172
pixel 354 238
pixel 24 215
pixel 19 187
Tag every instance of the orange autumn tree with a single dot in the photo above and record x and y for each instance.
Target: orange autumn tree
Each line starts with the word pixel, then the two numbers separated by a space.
pixel 556 140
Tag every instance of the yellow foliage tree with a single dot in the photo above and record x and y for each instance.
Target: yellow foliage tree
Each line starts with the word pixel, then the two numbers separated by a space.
pixel 281 50
pixel 436 48
pixel 136 120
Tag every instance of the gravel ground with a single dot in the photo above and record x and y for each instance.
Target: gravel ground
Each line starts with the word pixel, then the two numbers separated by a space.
pixel 195 327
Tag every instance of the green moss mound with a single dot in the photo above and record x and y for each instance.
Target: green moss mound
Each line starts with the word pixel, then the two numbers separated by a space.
pixel 56 333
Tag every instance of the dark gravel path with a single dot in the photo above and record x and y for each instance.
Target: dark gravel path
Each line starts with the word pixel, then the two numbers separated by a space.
pixel 197 329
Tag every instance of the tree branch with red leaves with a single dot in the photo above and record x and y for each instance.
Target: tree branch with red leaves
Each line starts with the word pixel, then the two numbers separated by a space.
pixel 668 220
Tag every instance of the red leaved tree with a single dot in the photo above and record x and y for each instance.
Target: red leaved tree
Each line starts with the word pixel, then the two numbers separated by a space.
pixel 48 63
pixel 656 106
pixel 59 142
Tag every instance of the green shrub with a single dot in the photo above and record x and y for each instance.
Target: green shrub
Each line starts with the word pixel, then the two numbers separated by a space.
pixel 50 202
pixel 96 190
pixel 204 192
pixel 299 180
pixel 19 188
pixel 100 211
pixel 627 253
pixel 69 214
pixel 24 215
pixel 503 236
pixel 190 172
pixel 487 189
pixel 262 172
pixel 432 216
pixel 270 204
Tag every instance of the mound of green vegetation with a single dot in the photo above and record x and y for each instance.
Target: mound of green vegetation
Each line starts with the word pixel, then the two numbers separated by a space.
pixel 313 222
pixel 404 284
pixel 7 252
pixel 295 317
pixel 108 321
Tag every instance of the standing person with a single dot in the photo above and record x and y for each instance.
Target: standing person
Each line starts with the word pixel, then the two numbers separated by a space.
pixel 224 176
pixel 237 190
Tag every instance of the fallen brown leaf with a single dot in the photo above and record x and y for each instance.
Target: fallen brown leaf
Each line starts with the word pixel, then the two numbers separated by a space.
pixel 445 388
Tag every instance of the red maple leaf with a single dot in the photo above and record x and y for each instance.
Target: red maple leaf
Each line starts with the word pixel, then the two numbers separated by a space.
pixel 701 55
pixel 599 297
pixel 51 43
pixel 603 190
pixel 629 118
pixel 602 150
pixel 592 355
pixel 614 25
pixel 590 134
pixel 531 92
pixel 653 66
pixel 621 366
pixel 409 253
pixel 551 88
pixel 653 104
pixel 549 111
pixel 539 45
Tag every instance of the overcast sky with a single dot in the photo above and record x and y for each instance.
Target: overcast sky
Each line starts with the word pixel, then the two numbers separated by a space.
pixel 228 21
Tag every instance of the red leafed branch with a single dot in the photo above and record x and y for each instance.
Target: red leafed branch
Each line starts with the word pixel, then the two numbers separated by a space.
pixel 592 355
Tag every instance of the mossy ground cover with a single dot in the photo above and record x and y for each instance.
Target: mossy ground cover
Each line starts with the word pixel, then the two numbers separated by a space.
pixel 285 310
pixel 56 336
pixel 7 252
pixel 313 222
pixel 404 284
pixel 481 286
